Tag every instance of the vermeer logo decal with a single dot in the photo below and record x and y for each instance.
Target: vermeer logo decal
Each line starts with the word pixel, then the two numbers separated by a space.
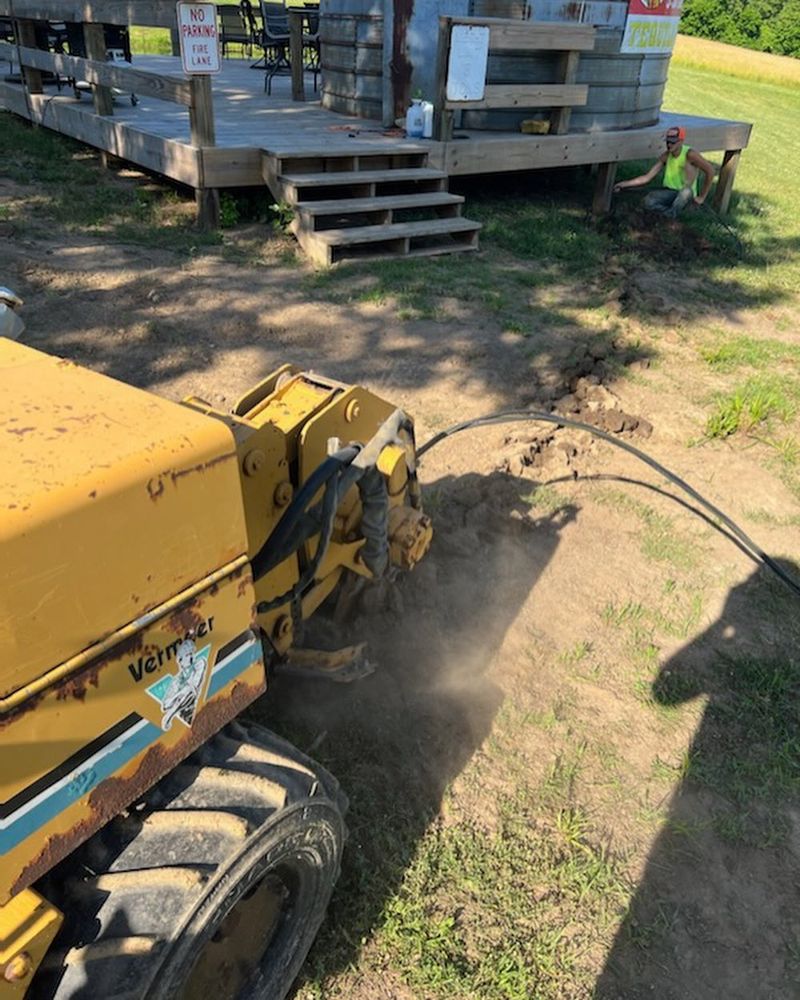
pixel 179 694
pixel 150 664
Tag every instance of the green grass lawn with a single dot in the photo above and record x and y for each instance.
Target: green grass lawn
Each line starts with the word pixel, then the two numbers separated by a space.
pixel 766 205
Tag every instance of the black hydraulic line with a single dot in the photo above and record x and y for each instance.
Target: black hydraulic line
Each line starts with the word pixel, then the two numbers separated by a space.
pixel 511 416
pixel 280 544
pixel 330 503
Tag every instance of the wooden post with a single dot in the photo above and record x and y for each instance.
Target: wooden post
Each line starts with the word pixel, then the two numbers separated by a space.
pixel 606 176
pixel 25 32
pixel 442 116
pixel 95 41
pixel 201 117
pixel 559 117
pixel 296 15
pixel 722 196
pixel 175 41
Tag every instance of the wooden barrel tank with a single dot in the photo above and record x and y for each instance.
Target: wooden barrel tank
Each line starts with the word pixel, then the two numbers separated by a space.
pixel 625 91
pixel 351 57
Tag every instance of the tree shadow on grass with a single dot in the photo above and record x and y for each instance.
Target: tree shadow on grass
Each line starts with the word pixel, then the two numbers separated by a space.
pixel 398 739
pixel 715 913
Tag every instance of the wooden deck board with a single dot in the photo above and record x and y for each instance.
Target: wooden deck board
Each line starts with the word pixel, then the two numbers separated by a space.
pixel 249 122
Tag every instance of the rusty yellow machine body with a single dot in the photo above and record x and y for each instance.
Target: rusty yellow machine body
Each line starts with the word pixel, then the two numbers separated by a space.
pixel 132 624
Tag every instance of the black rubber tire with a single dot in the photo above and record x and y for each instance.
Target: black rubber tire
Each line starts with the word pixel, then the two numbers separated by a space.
pixel 149 892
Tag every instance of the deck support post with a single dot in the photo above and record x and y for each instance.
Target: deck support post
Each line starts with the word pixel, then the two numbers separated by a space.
pixel 722 196
pixel 603 188
pixel 296 52
pixel 25 31
pixel 95 41
pixel 568 66
pixel 201 115
pixel 443 117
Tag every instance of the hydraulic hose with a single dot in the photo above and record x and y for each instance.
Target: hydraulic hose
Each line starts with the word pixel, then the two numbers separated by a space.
pixel 281 542
pixel 336 475
pixel 511 416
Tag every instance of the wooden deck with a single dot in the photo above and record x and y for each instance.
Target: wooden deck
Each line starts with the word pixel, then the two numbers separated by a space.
pixel 156 134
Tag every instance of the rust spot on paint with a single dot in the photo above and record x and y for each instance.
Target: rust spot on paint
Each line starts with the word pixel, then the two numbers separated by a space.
pixel 114 795
pixel 61 430
pixel 202 467
pixel 155 487
pixel 93 494
pixel 19 431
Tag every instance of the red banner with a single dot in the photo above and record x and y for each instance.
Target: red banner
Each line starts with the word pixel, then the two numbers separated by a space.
pixel 662 8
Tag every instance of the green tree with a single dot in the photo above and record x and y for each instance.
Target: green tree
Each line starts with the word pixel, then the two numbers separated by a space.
pixel 786 30
pixel 772 25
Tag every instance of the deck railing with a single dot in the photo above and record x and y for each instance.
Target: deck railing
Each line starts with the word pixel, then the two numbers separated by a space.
pixel 517 36
pixel 194 93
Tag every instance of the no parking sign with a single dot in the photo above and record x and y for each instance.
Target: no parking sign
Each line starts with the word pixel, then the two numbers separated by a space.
pixel 197 28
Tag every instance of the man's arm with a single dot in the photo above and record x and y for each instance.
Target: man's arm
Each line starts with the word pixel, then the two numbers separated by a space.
pixel 642 179
pixel 701 163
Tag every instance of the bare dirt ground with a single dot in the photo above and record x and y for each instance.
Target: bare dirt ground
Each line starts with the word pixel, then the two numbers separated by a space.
pixel 570 616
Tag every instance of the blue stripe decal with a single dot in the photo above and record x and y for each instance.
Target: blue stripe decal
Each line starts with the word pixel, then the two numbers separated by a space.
pixel 225 672
pixel 80 782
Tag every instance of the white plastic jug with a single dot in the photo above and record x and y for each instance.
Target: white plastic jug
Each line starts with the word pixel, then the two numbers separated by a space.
pixel 427 129
pixel 415 120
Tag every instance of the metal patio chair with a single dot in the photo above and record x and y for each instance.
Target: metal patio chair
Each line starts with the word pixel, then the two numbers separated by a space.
pixel 275 40
pixel 233 28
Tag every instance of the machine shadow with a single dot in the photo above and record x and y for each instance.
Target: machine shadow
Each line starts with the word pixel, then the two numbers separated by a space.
pixel 397 740
pixel 715 913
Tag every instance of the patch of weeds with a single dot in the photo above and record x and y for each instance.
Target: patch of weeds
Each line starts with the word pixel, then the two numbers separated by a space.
pixel 536 230
pixel 643 934
pixel 787 450
pixel 659 541
pixel 228 210
pixel 576 653
pixel 751 746
pixel 280 216
pixel 545 720
pixel 683 615
pixel 72 189
pixel 749 352
pixel 622 614
pixel 663 770
pixel 759 828
pixel 754 403
pixel 465 920
pixel 773 520
pixel 559 783
pixel 544 499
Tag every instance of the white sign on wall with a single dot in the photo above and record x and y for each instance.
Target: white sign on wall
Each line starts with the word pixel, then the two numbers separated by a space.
pixel 466 68
pixel 197 28
pixel 651 26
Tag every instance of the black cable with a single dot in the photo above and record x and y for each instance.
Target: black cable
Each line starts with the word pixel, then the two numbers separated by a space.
pixel 330 503
pixel 510 416
pixel 715 215
pixel 279 545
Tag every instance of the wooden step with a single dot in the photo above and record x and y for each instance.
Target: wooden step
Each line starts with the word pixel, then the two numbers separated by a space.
pixel 345 206
pixel 343 178
pixel 396 230
pixel 368 252
pixel 400 239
